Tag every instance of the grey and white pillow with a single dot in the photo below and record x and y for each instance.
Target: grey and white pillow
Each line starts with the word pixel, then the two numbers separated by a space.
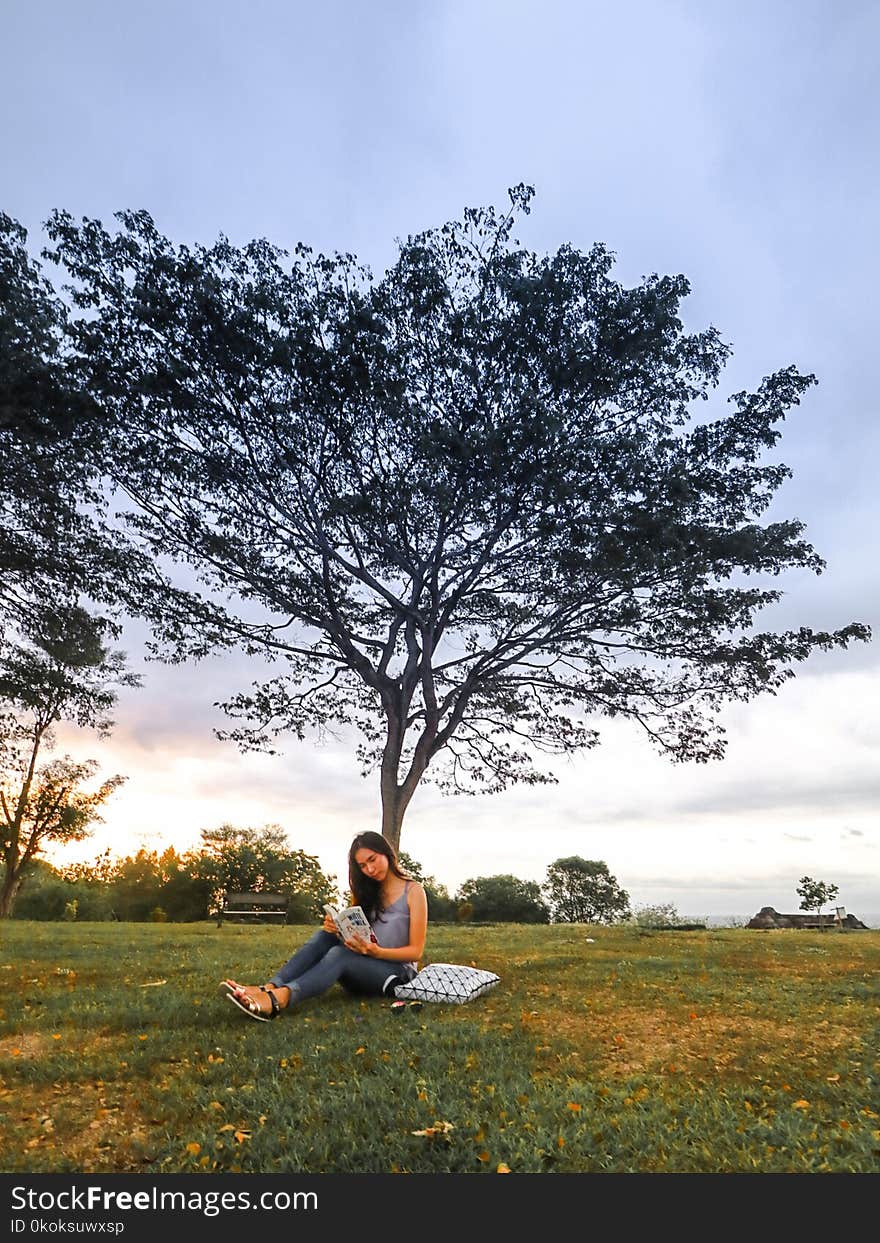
pixel 444 981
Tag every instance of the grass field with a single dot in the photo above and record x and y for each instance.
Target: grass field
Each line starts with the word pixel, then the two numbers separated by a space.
pixel 602 1049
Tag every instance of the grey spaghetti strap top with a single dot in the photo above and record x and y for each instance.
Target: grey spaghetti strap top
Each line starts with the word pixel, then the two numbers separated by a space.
pixel 391 926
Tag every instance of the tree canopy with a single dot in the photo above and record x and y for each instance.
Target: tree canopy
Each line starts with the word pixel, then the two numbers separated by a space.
pixel 55 539
pixel 503 899
pixel 467 508
pixel 180 887
pixel 814 894
pixel 247 860
pixel 583 891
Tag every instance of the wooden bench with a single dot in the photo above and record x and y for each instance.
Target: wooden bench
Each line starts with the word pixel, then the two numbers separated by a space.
pixel 253 908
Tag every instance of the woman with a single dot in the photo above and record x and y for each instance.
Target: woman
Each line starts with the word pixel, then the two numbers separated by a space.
pixel 398 913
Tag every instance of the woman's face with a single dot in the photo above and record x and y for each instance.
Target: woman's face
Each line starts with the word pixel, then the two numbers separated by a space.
pixel 372 864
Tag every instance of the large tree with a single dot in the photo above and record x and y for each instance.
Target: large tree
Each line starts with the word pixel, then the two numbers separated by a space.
pixel 61 669
pixel 466 508
pixel 40 414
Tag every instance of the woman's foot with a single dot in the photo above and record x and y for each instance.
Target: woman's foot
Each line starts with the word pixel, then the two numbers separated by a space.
pixel 260 1001
pixel 244 992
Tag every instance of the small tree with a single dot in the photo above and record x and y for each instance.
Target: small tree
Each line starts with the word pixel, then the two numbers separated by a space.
pixel 814 894
pixel 60 670
pixel 504 899
pixel 583 891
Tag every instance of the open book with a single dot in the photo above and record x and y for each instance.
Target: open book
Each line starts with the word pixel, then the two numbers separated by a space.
pixel 351 923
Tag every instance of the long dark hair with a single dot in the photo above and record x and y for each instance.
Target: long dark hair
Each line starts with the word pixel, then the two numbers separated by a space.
pixel 364 890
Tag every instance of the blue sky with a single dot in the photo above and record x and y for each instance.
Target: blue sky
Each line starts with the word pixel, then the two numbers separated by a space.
pixel 735 144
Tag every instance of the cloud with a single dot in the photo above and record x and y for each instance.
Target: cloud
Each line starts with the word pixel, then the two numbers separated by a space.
pixel 424 138
pixel 856 789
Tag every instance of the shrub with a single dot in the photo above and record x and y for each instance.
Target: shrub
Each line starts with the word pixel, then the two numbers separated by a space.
pixel 45 895
pixel 662 915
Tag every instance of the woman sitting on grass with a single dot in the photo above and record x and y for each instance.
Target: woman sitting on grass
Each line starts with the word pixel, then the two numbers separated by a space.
pixel 398 913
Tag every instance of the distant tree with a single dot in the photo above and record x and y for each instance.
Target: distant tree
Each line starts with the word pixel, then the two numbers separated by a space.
pixel 135 886
pixel 466 508
pixel 99 871
pixel 583 891
pixel 131 888
pixel 60 669
pixel 184 893
pixel 91 885
pixel 411 866
pixel 814 894
pixel 504 899
pixel 249 860
pixel 441 907
pixel 182 888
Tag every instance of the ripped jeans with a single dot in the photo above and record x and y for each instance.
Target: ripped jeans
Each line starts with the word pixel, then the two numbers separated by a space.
pixel 324 960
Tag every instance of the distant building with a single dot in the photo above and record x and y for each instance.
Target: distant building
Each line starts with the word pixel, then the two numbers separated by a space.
pixel 767 917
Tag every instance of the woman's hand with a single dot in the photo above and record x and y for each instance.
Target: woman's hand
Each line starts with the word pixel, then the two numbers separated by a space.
pixel 360 946
pixel 329 925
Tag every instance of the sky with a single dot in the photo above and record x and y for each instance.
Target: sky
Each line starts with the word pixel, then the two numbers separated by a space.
pixel 734 144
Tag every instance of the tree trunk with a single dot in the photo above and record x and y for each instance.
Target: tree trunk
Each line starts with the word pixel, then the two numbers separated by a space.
pixel 9 892
pixel 392 819
pixel 396 797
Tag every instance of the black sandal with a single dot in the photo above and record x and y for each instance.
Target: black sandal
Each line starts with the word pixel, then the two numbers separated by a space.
pixel 248 1007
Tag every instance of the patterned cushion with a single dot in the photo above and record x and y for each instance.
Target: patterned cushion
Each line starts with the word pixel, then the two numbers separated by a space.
pixel 443 981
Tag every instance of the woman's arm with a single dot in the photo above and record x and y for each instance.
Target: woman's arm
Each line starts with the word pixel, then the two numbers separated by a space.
pixel 418 927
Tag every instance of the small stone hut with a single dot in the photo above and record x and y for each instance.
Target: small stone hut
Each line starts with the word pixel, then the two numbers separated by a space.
pixel 767 917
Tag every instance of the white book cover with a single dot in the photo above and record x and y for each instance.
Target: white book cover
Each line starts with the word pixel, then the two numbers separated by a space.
pixel 351 923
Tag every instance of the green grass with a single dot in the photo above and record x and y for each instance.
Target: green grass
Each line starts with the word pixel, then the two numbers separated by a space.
pixel 725 1050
